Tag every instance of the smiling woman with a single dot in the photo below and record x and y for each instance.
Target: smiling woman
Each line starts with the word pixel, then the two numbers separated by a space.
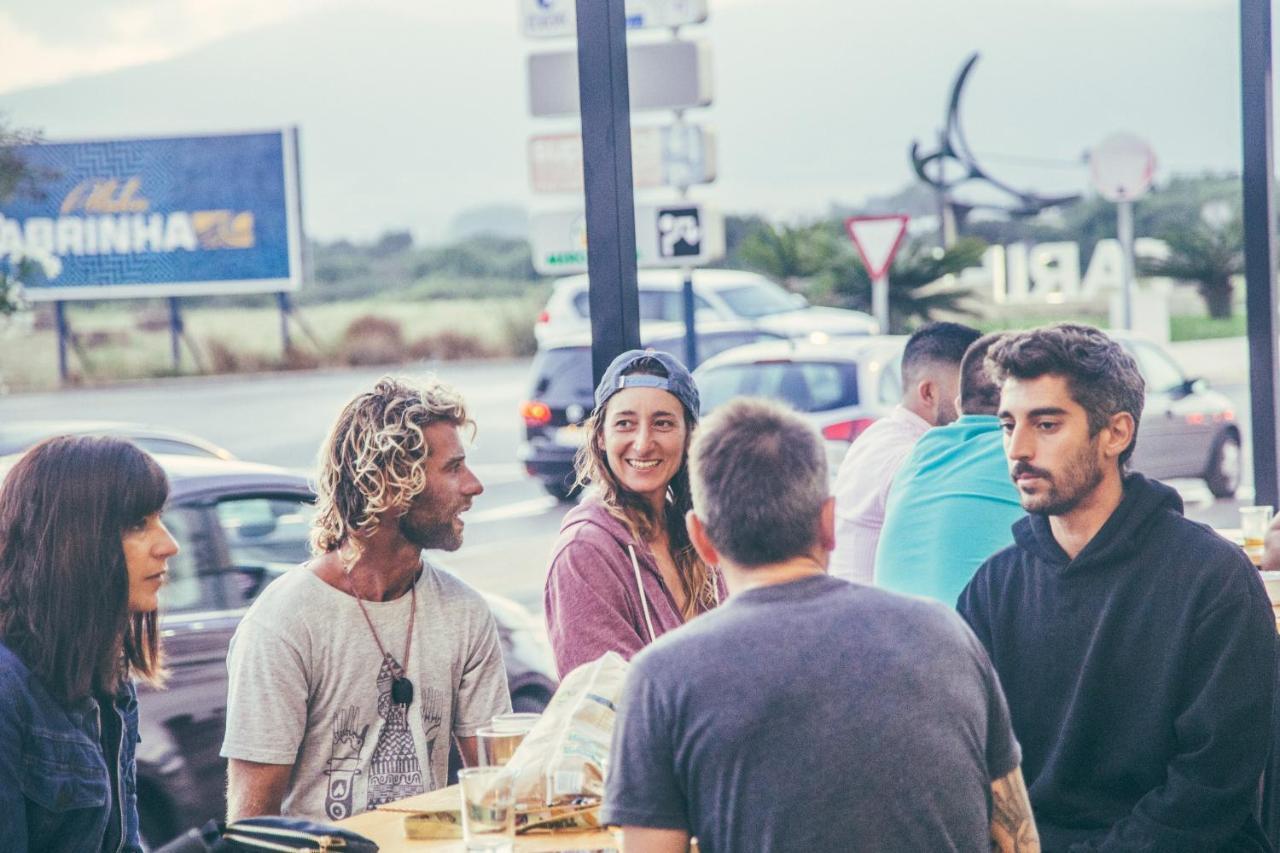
pixel 82 556
pixel 623 571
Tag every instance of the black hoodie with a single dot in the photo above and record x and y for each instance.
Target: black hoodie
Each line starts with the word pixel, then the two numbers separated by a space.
pixel 1139 678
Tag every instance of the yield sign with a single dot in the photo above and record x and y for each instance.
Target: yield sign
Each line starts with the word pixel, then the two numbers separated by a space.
pixel 877 239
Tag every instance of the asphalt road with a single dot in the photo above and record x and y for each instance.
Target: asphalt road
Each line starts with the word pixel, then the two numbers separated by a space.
pixel 282 419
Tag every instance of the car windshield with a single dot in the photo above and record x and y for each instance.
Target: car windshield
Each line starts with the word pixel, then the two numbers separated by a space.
pixel 757 299
pixel 805 386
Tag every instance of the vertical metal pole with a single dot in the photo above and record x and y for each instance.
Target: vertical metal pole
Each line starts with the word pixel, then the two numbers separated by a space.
pixel 1124 231
pixel 690 321
pixel 1259 242
pixel 880 302
pixel 60 321
pixel 606 167
pixel 282 299
pixel 175 332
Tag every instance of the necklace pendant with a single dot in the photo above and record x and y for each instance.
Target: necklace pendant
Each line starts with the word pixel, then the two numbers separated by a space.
pixel 402 691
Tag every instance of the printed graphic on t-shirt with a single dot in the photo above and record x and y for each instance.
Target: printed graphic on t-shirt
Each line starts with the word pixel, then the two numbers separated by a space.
pixel 394 772
pixel 432 715
pixel 343 765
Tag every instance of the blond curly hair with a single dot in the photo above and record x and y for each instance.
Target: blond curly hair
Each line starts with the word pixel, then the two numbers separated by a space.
pixel 375 458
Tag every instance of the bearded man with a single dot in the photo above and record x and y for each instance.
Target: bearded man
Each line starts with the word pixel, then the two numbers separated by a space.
pixel 349 675
pixel 1136 647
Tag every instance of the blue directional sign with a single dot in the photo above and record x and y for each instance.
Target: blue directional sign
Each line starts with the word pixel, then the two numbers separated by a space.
pixel 181 216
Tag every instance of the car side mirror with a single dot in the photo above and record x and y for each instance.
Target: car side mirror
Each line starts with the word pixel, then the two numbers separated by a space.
pixel 798 300
pixel 1195 386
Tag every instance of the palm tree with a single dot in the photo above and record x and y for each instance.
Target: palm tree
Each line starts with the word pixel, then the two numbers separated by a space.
pixel 916 291
pixel 1208 256
pixel 16 176
pixel 788 255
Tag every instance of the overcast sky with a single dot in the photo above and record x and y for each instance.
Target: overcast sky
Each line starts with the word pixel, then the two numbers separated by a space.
pixel 816 101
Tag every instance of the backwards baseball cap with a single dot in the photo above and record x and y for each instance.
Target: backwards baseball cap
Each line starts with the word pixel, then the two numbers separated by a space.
pixel 678 381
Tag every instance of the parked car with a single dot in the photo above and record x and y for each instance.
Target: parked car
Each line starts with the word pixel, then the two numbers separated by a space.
pixel 17 436
pixel 239 526
pixel 842 386
pixel 562 394
pixel 1186 430
pixel 718 295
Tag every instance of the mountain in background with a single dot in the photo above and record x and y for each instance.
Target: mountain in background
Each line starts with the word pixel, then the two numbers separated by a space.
pixel 410 123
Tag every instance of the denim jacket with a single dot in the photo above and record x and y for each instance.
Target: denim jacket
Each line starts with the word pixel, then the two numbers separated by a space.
pixel 55 792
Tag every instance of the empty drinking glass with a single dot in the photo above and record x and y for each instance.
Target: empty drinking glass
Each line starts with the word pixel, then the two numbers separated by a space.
pixel 488 809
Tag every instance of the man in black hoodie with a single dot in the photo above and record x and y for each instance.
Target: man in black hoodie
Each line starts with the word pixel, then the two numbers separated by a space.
pixel 1136 647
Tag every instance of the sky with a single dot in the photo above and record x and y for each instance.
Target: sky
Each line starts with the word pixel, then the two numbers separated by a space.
pixel 412 112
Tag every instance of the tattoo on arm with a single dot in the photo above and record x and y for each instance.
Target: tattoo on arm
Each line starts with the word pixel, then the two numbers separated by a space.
pixel 1013 829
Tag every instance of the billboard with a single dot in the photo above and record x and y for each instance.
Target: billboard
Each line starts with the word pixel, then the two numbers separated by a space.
pixel 177 216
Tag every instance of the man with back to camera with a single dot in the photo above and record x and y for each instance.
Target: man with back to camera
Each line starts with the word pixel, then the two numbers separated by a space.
pixel 807 713
pixel 930 380
pixel 1136 647
pixel 350 674
pixel 952 504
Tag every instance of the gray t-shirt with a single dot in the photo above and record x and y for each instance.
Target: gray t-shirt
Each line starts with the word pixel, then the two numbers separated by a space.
pixel 814 715
pixel 307 686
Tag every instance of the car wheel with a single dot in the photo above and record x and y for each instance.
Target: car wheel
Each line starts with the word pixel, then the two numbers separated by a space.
pixel 1222 475
pixel 561 491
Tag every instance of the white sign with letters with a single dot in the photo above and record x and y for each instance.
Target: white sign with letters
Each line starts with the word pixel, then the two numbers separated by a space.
pixel 556 18
pixel 676 234
pixel 673 155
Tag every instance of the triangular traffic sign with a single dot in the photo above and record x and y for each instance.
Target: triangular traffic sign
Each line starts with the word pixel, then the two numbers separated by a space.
pixel 877 239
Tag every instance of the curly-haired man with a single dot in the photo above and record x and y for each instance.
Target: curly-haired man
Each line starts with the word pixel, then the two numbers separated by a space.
pixel 349 674
pixel 1136 647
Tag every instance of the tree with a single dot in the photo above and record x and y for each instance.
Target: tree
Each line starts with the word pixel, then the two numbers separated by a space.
pixel 916 291
pixel 1206 255
pixel 16 176
pixel 789 255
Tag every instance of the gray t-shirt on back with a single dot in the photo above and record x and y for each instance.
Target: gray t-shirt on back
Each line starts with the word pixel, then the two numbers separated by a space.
pixel 814 715
pixel 308 687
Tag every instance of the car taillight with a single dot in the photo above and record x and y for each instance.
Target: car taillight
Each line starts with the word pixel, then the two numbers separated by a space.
pixel 535 413
pixel 846 430
pixel 544 317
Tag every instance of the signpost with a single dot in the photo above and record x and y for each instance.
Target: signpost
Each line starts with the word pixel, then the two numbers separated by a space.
pixel 664 75
pixel 676 234
pixel 1122 168
pixel 672 155
pixel 552 18
pixel 877 239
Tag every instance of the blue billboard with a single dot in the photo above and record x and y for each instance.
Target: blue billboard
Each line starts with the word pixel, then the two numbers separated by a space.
pixel 126 218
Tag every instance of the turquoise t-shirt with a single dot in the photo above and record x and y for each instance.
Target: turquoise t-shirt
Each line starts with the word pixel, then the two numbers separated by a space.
pixel 951 506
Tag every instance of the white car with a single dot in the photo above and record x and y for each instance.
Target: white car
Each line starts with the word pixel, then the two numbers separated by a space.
pixel 718 295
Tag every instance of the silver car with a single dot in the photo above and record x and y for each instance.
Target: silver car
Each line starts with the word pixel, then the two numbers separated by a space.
pixel 1187 429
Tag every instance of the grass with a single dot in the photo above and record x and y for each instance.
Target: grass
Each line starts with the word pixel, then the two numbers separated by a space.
pixel 1195 328
pixel 116 345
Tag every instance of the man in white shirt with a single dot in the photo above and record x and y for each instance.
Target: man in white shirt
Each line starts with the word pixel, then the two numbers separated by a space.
pixel 930 385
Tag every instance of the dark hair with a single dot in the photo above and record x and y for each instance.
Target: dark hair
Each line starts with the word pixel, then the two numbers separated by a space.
pixel 979 393
pixel 759 481
pixel 1102 378
pixel 935 343
pixel 591 466
pixel 64 586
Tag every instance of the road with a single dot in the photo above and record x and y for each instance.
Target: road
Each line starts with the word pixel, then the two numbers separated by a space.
pixel 283 418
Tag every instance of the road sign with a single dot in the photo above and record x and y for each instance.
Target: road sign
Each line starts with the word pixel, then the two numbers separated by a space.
pixel 677 234
pixel 665 75
pixel 673 155
pixel 552 18
pixel 877 239
pixel 1122 167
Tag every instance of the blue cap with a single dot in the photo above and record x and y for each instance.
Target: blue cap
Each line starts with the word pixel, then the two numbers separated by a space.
pixel 678 380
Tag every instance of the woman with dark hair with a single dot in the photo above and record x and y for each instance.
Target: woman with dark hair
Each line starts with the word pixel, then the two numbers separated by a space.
pixel 83 554
pixel 623 571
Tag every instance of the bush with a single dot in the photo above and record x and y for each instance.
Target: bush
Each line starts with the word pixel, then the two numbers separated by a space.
pixel 372 340
pixel 450 346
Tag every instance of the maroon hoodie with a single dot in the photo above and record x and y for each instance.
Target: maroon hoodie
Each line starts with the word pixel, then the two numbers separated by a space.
pixel 591 600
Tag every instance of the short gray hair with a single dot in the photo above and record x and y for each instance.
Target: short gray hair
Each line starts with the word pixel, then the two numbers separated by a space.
pixel 759 478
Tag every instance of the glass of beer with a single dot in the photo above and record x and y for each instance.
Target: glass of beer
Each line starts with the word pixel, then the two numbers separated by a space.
pixel 1254 523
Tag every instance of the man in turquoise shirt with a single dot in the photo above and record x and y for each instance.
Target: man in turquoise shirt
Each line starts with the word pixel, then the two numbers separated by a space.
pixel 952 503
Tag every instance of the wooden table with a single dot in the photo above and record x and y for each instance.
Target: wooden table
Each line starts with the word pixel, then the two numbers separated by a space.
pixel 387 829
